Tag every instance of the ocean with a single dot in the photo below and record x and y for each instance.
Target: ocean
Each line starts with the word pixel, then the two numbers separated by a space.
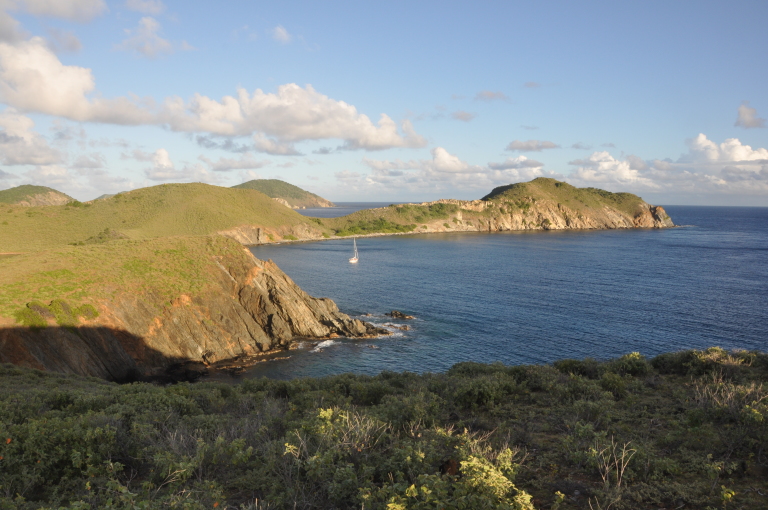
pixel 535 297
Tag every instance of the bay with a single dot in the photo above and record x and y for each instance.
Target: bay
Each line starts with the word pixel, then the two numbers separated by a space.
pixel 535 297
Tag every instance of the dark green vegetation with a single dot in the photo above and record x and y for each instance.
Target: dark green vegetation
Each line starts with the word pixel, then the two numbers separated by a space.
pixel 158 211
pixel 578 199
pixel 35 314
pixel 275 188
pixel 19 193
pixel 393 219
pixel 685 430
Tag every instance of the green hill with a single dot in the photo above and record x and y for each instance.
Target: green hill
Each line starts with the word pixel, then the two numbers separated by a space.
pixel 295 196
pixel 544 188
pixel 157 211
pixel 27 194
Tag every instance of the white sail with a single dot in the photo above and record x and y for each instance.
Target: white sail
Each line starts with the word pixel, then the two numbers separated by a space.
pixel 353 260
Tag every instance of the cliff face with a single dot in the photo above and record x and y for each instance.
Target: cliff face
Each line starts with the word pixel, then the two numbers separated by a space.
pixel 249 307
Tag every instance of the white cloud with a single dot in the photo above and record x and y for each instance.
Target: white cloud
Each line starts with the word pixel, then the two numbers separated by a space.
pixel 163 169
pixel 144 39
pixel 72 10
pixel 531 145
pixel 703 150
pixel 707 168
pixel 154 7
pixel 292 114
pixel 20 144
pixel 33 79
pixel 281 35
pixel 601 167
pixel 263 144
pixel 246 162
pixel 748 117
pixel 489 95
pixel 463 116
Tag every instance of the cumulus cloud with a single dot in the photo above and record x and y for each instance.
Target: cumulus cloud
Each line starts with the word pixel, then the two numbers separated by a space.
pixel 531 145
pixel 72 10
pixel 703 150
pixel 463 116
pixel 281 35
pixel 489 95
pixel 601 167
pixel 33 79
pixel 154 7
pixel 748 118
pixel 20 144
pixel 730 167
pixel 246 162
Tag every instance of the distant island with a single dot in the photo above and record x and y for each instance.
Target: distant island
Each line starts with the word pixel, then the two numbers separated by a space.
pixel 132 285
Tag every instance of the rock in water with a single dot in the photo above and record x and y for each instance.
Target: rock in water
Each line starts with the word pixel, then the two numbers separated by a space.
pixel 399 315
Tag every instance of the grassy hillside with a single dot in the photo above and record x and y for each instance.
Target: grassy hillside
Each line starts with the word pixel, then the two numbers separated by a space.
pixel 19 193
pixel 165 210
pixel 84 275
pixel 275 188
pixel 683 430
pixel 577 199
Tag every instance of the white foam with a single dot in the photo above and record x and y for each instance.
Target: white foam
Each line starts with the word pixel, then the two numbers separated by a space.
pixel 322 345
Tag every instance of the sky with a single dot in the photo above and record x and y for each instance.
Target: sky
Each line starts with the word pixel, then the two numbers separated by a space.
pixel 388 101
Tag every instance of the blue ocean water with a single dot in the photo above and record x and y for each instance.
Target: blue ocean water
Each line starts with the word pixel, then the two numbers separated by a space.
pixel 539 296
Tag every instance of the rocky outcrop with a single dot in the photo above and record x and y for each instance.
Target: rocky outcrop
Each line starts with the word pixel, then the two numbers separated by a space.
pixel 486 216
pixel 250 307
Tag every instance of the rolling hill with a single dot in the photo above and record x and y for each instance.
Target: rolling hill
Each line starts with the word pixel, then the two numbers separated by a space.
pixel 28 195
pixel 296 197
pixel 157 211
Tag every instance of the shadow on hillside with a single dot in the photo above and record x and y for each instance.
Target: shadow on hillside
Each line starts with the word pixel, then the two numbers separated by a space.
pixel 111 354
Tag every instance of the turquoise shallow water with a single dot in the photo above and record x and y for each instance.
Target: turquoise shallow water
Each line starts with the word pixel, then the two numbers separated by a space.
pixel 537 297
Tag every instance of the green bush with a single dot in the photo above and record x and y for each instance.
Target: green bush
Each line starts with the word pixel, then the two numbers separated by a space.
pixel 29 318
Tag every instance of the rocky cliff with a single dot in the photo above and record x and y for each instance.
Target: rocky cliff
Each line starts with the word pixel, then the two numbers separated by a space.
pixel 247 307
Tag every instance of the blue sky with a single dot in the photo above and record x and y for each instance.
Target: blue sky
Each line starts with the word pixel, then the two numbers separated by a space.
pixel 393 101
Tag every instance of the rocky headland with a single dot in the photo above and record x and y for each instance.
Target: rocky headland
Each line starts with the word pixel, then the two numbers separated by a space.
pixel 236 306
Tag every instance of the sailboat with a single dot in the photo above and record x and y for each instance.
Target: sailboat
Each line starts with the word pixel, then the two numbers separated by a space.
pixel 353 260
